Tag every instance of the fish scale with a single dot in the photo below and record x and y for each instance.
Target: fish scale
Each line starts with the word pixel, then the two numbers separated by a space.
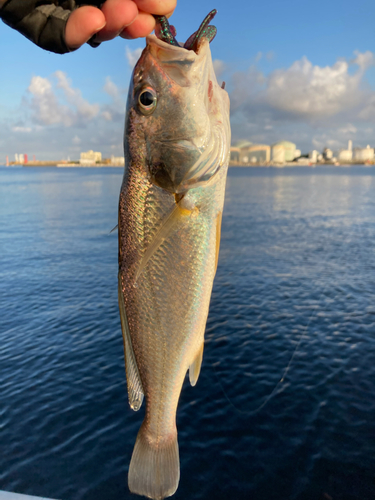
pixel 161 286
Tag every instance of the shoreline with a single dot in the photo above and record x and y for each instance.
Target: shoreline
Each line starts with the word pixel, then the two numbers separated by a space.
pixel 237 165
pixel 60 165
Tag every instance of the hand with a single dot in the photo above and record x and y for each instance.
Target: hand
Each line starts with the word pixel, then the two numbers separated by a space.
pixel 127 18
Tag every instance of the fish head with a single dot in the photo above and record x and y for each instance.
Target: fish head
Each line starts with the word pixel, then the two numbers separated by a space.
pixel 177 116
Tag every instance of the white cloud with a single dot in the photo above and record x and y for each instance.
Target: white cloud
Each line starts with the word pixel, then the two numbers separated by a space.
pixel 314 91
pixel 54 120
pixel 107 115
pixel 74 96
pixel 219 67
pixel 111 88
pixel 116 110
pixel 364 60
pixel 348 129
pixel 22 129
pixel 312 105
pixel 133 55
pixel 305 90
pixel 295 102
pixel 44 104
pixel 48 108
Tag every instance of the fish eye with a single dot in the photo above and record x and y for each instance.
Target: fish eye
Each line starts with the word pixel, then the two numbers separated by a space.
pixel 147 100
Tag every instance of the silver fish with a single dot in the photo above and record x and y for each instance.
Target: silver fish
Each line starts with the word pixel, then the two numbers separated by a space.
pixel 177 139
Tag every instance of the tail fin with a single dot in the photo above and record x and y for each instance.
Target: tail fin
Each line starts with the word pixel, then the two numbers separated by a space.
pixel 154 469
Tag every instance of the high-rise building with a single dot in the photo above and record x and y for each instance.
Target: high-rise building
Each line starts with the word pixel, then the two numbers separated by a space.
pixel 345 155
pixel 363 154
pixel 327 154
pixel 313 156
pixel 289 149
pixel 90 157
pixel 278 153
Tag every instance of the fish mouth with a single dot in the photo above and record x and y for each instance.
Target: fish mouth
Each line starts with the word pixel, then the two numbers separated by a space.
pixel 167 33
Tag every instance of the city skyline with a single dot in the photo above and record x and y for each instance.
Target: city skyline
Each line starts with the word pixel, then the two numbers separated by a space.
pixel 292 73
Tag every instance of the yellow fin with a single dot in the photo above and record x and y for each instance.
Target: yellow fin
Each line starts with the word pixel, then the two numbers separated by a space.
pixel 135 389
pixel 218 236
pixel 195 367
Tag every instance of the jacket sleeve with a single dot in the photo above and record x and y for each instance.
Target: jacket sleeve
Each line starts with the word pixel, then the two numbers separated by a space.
pixel 42 21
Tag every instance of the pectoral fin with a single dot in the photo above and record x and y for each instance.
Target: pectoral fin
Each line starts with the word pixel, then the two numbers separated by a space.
pixel 135 389
pixel 195 367
pixel 218 236
pixel 166 227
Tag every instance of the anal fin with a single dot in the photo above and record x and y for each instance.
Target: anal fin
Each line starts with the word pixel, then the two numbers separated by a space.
pixel 135 389
pixel 218 237
pixel 195 367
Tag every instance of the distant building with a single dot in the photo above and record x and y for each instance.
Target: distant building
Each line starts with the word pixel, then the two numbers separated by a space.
pixel 345 155
pixel 19 158
pixel 242 144
pixel 235 155
pixel 313 156
pixel 327 154
pixel 238 152
pixel 117 160
pixel 258 153
pixel 289 148
pixel 245 152
pixel 278 153
pixel 363 154
pixel 90 157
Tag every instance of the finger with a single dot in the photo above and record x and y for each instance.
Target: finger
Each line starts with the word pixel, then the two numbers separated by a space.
pixel 159 7
pixel 82 24
pixel 143 25
pixel 169 14
pixel 118 14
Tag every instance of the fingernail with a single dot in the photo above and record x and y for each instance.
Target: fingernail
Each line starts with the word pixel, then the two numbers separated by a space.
pixel 101 27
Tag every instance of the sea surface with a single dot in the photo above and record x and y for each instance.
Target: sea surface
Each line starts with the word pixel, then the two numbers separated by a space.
pixel 285 405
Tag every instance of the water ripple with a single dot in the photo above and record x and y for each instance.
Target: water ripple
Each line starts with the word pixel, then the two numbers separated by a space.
pixel 295 288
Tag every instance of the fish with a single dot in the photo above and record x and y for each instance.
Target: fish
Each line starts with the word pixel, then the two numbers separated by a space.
pixel 176 146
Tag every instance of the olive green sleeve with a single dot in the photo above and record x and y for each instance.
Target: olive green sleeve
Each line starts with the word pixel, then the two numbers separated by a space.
pixel 42 21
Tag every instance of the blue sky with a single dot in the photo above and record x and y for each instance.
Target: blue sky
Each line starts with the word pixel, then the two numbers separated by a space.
pixel 302 71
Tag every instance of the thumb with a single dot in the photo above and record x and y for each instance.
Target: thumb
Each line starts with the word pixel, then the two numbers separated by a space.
pixel 82 24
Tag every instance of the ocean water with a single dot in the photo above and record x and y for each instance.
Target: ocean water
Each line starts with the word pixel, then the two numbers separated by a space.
pixel 285 405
